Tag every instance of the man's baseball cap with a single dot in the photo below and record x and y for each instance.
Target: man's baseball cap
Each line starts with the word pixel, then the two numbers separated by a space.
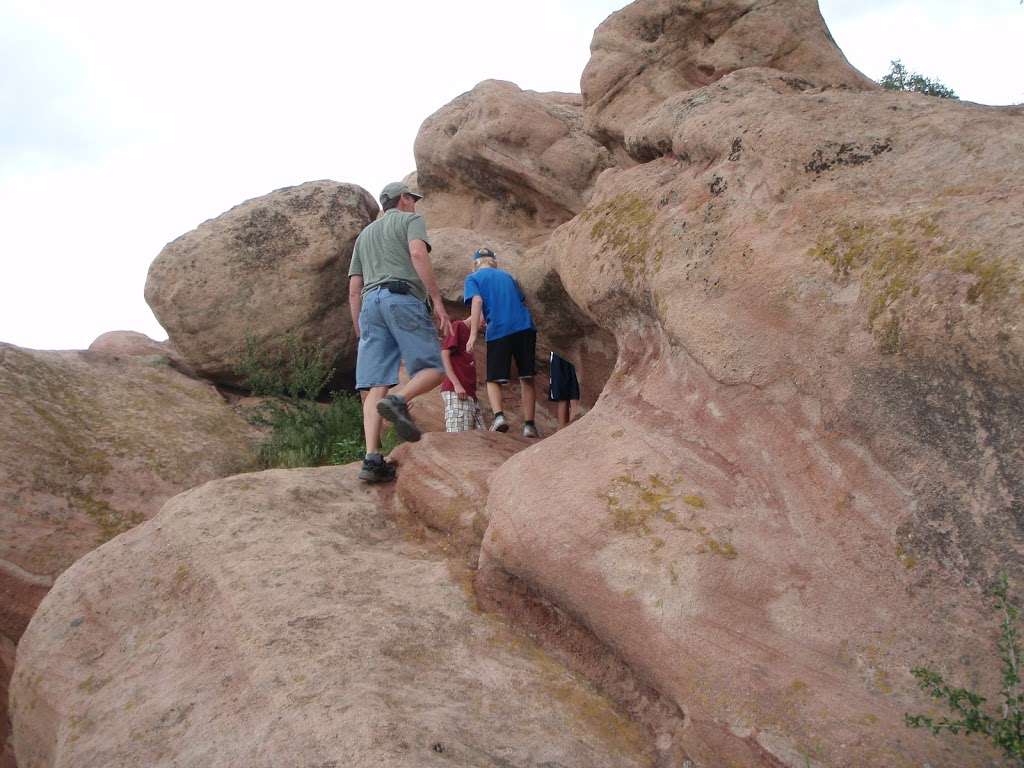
pixel 396 189
pixel 484 253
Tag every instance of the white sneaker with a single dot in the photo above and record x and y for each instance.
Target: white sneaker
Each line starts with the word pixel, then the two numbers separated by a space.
pixel 529 430
pixel 499 424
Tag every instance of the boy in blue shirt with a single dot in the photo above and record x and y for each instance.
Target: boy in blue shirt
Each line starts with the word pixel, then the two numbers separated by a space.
pixel 495 296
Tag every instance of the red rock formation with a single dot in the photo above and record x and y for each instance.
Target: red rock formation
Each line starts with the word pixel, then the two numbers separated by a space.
pixel 505 162
pixel 804 468
pixel 285 618
pixel 810 452
pixel 92 446
pixel 652 50
pixel 272 267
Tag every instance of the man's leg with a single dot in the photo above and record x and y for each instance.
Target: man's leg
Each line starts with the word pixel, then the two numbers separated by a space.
pixel 524 349
pixel 563 414
pixel 375 469
pixel 529 397
pixel 376 362
pixel 494 395
pixel 412 327
pixel 372 422
pixel 422 382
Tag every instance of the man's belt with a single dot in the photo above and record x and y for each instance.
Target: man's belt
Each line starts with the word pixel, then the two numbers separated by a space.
pixel 395 286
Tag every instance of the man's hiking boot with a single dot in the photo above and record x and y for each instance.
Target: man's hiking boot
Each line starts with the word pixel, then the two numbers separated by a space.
pixel 530 430
pixel 377 471
pixel 394 409
pixel 499 424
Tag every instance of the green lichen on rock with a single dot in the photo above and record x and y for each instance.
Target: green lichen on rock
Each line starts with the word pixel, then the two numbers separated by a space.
pixel 110 522
pixel 722 548
pixel 994 275
pixel 889 339
pixel 92 684
pixel 624 225
pixel 908 560
pixel 891 258
pixel 636 505
pixel 844 248
pixel 89 440
pixel 709 544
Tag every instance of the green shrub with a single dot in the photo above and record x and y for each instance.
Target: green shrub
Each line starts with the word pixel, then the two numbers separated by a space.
pixel 302 432
pixel 899 79
pixel 1005 727
pixel 293 370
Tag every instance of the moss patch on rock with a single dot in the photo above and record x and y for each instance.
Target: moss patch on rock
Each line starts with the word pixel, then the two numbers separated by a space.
pixel 891 258
pixel 638 507
pixel 624 225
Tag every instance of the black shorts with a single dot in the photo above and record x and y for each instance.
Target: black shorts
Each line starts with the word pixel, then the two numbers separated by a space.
pixel 521 345
pixel 564 384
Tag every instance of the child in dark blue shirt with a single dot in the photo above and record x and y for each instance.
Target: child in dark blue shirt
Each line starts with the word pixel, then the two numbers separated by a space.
pixel 495 296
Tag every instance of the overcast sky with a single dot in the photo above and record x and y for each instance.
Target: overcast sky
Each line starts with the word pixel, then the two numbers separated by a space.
pixel 124 124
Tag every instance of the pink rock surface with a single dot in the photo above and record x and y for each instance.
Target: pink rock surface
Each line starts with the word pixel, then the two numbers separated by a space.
pixel 285 618
pixel 808 461
pixel 655 49
pixel 271 268
pixel 92 445
pixel 443 480
pixel 798 309
pixel 121 344
pixel 506 162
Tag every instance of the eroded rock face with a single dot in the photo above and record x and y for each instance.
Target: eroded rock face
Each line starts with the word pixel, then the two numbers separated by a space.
pixel 289 604
pixel 273 267
pixel 654 49
pixel 444 480
pixel 92 446
pixel 506 162
pixel 564 328
pixel 810 453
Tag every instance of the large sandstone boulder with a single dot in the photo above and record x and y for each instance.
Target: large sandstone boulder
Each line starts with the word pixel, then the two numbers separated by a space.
pixel 91 446
pixel 286 619
pixel 808 462
pixel 271 268
pixel 654 49
pixel 506 162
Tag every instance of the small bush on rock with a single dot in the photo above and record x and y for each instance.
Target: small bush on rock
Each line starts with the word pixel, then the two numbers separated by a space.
pixel 1005 726
pixel 302 431
pixel 293 370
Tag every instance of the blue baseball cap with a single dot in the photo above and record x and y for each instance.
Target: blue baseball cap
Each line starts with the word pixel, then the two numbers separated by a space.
pixel 484 253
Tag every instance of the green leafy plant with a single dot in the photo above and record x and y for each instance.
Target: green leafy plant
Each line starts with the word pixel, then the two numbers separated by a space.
pixel 292 369
pixel 1005 727
pixel 301 430
pixel 899 78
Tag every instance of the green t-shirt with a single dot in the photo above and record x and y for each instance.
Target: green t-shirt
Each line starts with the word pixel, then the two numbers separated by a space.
pixel 381 252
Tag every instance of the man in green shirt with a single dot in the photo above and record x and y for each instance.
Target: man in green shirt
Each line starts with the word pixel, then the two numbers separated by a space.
pixel 390 282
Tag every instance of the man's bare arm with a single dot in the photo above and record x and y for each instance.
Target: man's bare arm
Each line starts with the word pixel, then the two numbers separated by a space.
pixel 475 315
pixel 446 358
pixel 421 263
pixel 355 299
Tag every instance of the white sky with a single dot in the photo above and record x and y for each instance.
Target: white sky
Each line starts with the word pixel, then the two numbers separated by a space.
pixel 125 123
